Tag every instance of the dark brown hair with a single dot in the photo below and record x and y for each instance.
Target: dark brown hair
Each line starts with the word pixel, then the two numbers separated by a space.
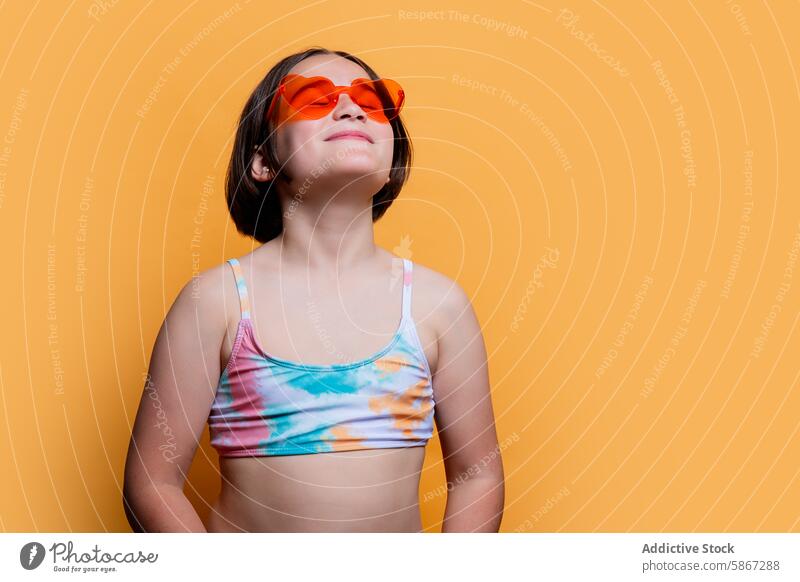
pixel 255 206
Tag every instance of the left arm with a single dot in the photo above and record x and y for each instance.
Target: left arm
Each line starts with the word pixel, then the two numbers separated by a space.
pixel 465 421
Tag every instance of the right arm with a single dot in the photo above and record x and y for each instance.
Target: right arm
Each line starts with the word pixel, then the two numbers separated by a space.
pixel 177 397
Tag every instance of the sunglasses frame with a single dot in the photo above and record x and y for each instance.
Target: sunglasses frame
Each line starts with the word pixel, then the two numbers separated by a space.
pixel 335 92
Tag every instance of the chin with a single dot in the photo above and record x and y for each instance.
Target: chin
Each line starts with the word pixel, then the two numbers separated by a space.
pixel 354 165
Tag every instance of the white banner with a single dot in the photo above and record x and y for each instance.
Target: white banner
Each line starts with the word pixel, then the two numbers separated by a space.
pixel 401 557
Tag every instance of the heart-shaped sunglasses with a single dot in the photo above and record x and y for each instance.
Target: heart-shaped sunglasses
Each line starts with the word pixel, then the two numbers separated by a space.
pixel 315 97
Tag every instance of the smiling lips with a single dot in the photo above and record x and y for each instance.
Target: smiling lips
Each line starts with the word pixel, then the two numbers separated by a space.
pixel 350 134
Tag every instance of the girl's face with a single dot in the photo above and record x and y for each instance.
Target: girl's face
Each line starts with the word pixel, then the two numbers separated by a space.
pixel 317 160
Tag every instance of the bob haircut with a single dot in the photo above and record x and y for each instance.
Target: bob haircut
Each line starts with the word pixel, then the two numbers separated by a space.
pixel 255 206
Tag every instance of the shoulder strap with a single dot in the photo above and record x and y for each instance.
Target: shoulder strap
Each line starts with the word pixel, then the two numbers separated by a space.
pixel 244 302
pixel 407 271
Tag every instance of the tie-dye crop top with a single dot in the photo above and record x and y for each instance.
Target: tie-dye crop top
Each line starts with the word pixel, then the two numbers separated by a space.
pixel 265 405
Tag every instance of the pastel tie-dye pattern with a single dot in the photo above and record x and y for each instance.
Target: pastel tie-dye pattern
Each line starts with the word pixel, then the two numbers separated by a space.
pixel 267 406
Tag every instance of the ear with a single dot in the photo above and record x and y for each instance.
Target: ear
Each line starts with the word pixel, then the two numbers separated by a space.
pixel 258 167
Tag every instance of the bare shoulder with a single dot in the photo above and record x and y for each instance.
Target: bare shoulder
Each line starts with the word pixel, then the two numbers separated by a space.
pixel 208 297
pixel 441 299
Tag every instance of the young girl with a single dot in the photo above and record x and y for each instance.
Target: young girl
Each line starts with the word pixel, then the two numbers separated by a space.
pixel 318 370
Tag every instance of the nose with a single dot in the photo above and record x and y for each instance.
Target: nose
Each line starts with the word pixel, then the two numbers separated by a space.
pixel 346 107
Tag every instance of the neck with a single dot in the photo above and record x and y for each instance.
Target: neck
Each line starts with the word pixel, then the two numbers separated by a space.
pixel 333 238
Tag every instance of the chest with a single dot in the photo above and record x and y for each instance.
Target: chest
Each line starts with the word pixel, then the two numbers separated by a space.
pixel 338 327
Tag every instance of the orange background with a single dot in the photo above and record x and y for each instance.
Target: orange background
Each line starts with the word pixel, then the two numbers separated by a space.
pixel 615 185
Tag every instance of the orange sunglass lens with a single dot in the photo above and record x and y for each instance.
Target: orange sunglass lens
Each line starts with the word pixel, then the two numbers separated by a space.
pixel 310 97
pixel 381 99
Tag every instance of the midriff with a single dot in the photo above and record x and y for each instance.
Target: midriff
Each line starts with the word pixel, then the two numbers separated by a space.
pixel 374 490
